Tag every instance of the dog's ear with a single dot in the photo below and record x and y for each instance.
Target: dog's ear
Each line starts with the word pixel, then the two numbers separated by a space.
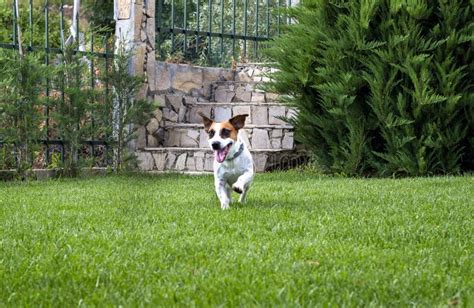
pixel 207 122
pixel 238 121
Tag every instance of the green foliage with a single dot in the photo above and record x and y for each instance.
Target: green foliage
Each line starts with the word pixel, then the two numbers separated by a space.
pixel 129 110
pixel 72 105
pixel 37 34
pixel 382 87
pixel 21 79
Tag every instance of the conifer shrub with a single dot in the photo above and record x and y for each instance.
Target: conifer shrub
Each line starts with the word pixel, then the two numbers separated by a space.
pixel 381 87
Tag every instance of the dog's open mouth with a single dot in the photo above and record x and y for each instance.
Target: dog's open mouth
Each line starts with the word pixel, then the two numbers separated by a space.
pixel 222 153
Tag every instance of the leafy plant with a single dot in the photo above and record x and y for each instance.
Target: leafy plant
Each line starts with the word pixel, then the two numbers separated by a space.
pixel 129 111
pixel 21 81
pixel 382 87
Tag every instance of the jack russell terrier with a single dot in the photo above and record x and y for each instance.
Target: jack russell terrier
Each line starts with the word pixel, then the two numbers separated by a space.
pixel 233 163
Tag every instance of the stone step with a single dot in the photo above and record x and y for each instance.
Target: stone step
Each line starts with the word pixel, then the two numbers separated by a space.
pixel 228 91
pixel 259 113
pixel 201 159
pixel 255 136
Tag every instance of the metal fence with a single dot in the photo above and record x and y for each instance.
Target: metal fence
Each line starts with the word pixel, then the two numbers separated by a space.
pixel 44 33
pixel 217 32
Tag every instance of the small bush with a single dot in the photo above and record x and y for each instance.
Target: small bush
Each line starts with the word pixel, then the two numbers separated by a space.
pixel 382 87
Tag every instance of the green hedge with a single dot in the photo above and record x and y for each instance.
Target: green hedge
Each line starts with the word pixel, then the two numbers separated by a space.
pixel 382 87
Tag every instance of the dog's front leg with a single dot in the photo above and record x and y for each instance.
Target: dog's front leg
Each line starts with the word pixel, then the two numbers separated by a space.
pixel 242 184
pixel 222 193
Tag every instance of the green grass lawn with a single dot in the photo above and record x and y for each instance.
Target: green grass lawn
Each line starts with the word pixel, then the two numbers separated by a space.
pixel 302 240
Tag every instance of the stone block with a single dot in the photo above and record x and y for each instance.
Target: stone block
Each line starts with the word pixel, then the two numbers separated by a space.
pixel 222 113
pixel 274 112
pixel 152 125
pixel 199 161
pixel 242 95
pixel 151 71
pixel 173 138
pixel 141 137
pixel 170 159
pixel 276 143
pixel 160 160
pixel 244 136
pixel 260 161
pixel 151 141
pixel 150 8
pixel 189 138
pixel 223 95
pixel 176 101
pixel 170 115
pixel 259 115
pixel 191 164
pixel 242 110
pixel 158 114
pixel 160 100
pixel 243 77
pixel 137 21
pixel 187 78
pixel 145 161
pixel 288 141
pixel 260 139
pixel 203 138
pixel 181 162
pixel 258 97
pixel 194 117
pixel 277 133
pixel 163 78
pixel 139 59
pixel 209 162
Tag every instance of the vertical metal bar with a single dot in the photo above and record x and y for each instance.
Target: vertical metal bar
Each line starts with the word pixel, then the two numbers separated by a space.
pixel 106 101
pixel 14 25
pixel 198 17
pixel 30 19
pixel 267 21
pixel 185 21
pixel 289 17
pixel 255 44
pixel 93 94
pixel 245 28
pixel 222 30
pixel 279 16
pixel 209 53
pixel 46 45
pixel 61 25
pixel 233 29
pixel 172 25
pixel 158 12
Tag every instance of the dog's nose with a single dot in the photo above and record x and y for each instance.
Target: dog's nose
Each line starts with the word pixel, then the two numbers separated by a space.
pixel 216 145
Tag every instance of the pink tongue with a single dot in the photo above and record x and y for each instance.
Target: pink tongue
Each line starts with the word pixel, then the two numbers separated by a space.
pixel 221 154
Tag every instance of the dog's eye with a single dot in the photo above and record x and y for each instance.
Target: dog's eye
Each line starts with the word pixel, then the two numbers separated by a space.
pixel 211 133
pixel 225 133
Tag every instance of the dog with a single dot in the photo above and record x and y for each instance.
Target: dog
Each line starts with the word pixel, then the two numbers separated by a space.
pixel 233 163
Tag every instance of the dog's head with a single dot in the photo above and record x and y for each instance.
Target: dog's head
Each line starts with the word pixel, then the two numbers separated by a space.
pixel 222 135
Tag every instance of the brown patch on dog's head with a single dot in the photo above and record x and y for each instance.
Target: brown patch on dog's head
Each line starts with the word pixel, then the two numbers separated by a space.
pixel 207 122
pixel 230 129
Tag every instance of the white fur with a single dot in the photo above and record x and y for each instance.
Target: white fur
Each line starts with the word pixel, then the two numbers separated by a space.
pixel 233 173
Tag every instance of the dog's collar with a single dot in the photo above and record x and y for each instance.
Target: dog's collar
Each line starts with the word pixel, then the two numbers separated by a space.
pixel 239 151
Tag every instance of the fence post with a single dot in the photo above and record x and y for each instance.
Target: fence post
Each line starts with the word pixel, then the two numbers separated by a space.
pixel 135 28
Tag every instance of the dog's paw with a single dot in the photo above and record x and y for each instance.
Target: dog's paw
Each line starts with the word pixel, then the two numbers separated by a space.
pixel 225 206
pixel 237 188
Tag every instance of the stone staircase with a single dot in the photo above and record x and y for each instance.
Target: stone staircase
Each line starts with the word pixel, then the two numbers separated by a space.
pixel 176 141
